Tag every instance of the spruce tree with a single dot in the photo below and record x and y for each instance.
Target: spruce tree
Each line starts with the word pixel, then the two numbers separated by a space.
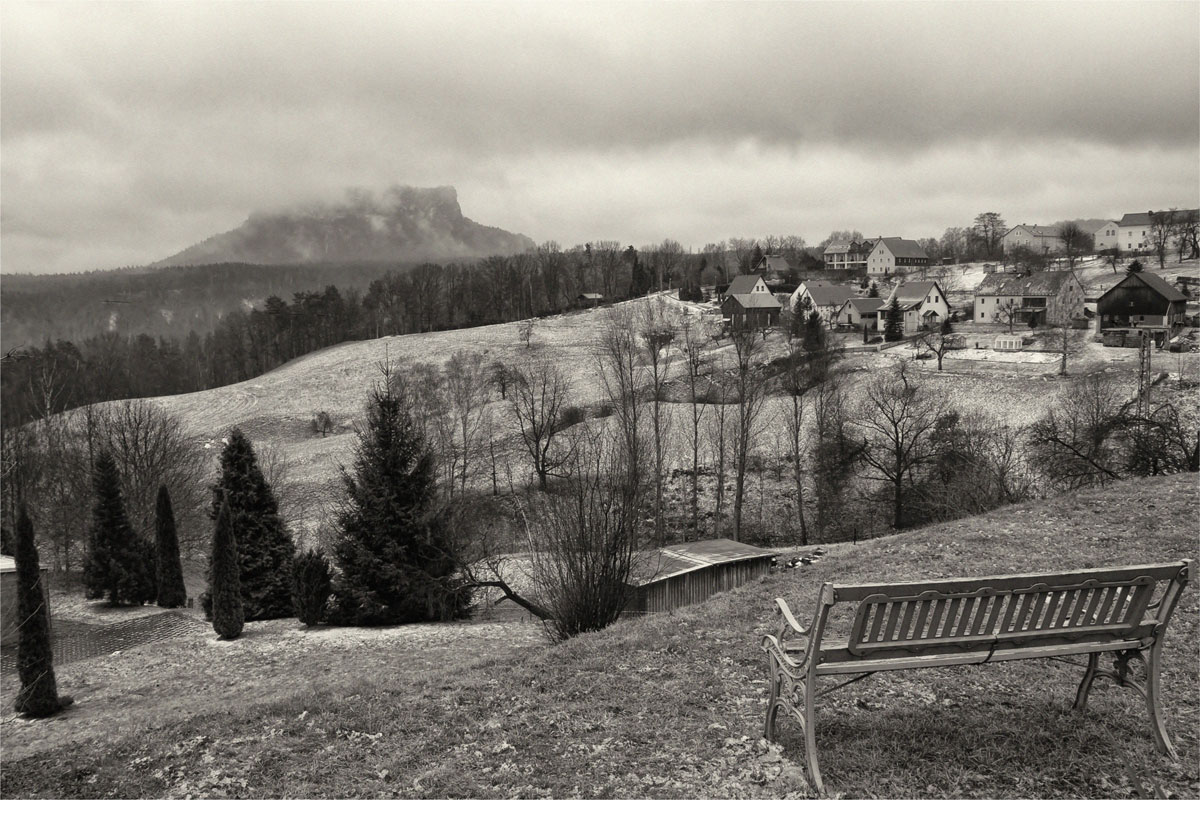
pixel 38 697
pixel 311 586
pixel 265 548
pixel 893 325
pixel 116 563
pixel 171 592
pixel 228 617
pixel 395 563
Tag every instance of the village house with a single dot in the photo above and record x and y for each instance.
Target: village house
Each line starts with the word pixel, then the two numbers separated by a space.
pixel 772 267
pixel 1038 238
pixel 922 303
pixel 821 296
pixel 1142 301
pixel 894 255
pixel 749 304
pixel 847 255
pixel 859 312
pixel 1106 238
pixel 1051 297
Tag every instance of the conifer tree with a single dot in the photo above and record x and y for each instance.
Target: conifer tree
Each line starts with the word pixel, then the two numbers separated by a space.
pixel 171 592
pixel 265 548
pixel 394 559
pixel 38 697
pixel 893 325
pixel 116 563
pixel 225 586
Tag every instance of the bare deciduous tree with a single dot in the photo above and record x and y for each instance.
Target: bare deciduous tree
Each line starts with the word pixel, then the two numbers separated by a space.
pixel 749 386
pixel 1162 228
pixel 466 395
pixel 896 420
pixel 694 342
pixel 539 394
pixel 656 334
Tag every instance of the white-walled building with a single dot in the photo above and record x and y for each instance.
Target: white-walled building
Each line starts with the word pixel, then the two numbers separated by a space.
pixel 1107 236
pixel 896 255
pixel 1039 238
pixel 923 304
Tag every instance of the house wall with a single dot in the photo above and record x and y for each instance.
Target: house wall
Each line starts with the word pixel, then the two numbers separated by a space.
pixel 1107 237
pixel 880 261
pixel 1135 237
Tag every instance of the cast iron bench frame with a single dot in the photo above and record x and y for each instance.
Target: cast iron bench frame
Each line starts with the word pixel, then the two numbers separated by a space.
pixel 976 621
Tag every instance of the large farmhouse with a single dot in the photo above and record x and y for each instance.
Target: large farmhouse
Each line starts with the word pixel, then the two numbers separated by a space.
pixel 1038 238
pixel 922 303
pixel 1051 297
pixel 896 255
pixel 821 296
pixel 1142 301
pixel 749 304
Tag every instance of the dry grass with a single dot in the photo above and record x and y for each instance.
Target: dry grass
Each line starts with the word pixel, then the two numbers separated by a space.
pixel 672 706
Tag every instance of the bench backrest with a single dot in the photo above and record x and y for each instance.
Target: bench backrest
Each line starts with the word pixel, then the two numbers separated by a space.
pixel 969 614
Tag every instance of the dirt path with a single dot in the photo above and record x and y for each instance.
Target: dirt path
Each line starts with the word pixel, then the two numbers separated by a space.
pixel 161 683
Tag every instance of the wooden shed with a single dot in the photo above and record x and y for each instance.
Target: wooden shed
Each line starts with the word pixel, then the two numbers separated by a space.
pixel 1142 301
pixel 693 572
pixel 8 599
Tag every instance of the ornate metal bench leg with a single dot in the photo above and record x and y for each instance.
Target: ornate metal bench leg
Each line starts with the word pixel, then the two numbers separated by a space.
pixel 1153 702
pixel 810 734
pixel 1085 685
pixel 773 701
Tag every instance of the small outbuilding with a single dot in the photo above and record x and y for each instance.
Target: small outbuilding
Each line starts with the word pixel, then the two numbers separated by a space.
pixel 690 573
pixel 9 621
pixel 1142 301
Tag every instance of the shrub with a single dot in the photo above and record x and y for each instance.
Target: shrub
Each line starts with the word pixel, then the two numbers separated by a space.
pixel 311 586
pixel 569 416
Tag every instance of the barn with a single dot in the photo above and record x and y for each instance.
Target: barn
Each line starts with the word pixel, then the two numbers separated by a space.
pixel 693 572
pixel 1142 301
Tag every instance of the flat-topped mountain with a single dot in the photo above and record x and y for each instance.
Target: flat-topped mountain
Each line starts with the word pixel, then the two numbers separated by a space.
pixel 402 224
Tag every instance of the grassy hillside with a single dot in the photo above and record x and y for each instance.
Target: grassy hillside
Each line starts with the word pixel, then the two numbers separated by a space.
pixel 665 707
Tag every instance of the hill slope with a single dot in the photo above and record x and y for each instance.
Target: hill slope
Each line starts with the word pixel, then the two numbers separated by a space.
pixel 404 224
pixel 666 707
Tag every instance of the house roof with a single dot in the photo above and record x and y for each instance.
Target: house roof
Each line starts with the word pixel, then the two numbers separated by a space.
pixel 675 560
pixel 838 247
pixel 823 293
pixel 591 296
pixel 754 300
pixel 1047 283
pixel 1142 219
pixel 742 284
pixel 902 247
pixel 1155 283
pixel 1039 230
pixel 865 304
pixel 912 291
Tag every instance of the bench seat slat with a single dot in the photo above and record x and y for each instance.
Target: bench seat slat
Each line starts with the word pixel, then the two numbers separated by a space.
pixel 908 661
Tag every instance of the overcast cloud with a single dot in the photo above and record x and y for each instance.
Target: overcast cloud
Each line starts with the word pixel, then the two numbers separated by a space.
pixel 128 132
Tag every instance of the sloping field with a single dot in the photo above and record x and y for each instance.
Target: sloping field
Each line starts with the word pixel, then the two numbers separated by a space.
pixel 665 707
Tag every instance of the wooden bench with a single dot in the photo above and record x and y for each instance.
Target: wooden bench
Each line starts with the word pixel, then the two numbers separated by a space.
pixel 1122 611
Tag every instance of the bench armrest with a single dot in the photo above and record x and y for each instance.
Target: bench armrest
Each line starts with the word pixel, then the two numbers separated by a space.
pixel 772 646
pixel 789 620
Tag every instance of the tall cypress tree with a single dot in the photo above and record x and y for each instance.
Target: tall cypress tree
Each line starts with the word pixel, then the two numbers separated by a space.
pixel 228 617
pixel 395 563
pixel 265 548
pixel 38 697
pixel 116 563
pixel 171 592
pixel 893 322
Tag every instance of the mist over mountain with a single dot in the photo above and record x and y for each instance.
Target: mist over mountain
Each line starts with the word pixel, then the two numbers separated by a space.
pixel 401 224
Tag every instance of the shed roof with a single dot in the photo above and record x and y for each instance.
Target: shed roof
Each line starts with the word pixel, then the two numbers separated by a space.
pixel 742 284
pixel 774 264
pixel 676 560
pixel 1047 283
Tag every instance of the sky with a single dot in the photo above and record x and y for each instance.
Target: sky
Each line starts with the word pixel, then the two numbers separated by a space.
pixel 130 131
